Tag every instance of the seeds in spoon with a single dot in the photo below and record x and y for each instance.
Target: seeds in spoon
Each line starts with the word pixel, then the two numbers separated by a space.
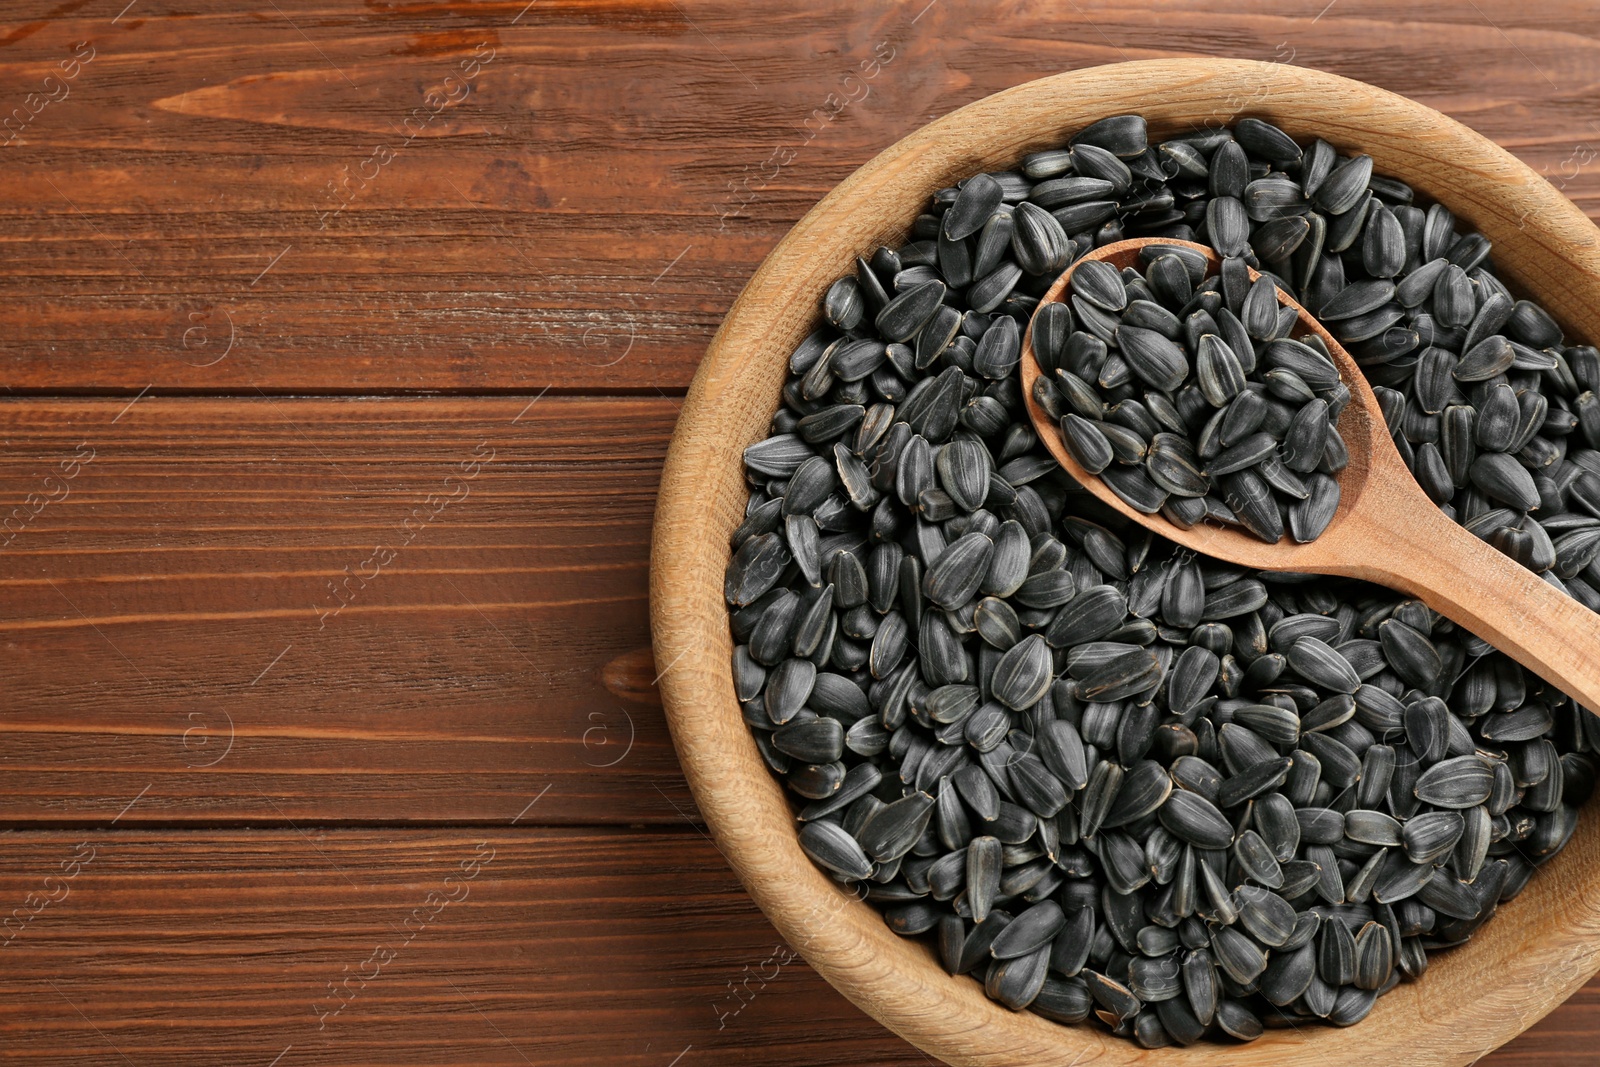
pixel 1208 368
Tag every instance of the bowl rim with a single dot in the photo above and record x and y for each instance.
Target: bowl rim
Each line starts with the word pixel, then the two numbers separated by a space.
pixel 1533 954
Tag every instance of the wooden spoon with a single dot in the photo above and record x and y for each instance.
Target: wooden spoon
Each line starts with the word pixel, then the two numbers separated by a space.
pixel 1386 530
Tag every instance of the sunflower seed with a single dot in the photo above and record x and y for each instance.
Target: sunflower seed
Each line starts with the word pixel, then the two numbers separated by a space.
pixel 1062 750
pixel 1288 975
pixel 952 703
pixel 1173 466
pixel 1121 676
pixel 819 740
pixel 1047 589
pixel 1357 298
pixel 1249 497
pixel 1038 790
pixel 1121 135
pixel 788 688
pixel 829 845
pixel 1400 878
pixel 1063 1000
pixel 1502 478
pixel 1240 958
pixel 1247 453
pixel 1312 367
pixel 1526 723
pixel 903 316
pixel 1115 998
pixel 755 568
pixel 1099 283
pixel 980 195
pixel 961 261
pixel 891 831
pixel 1322 665
pixel 1156 360
pixel 1257 861
pixel 1253 781
pixel 963 468
pixel 1320 826
pixel 1279 828
pixel 1374 956
pixel 1028 932
pixel 1461 782
pixel 1383 243
pixel 1233 600
pixel 1196 820
pixel 1153 980
pixel 976 789
pixel 1098 794
pixel 956 573
pixel 1145 788
pixel 1308 518
pixel 1473 848
pixel 1091 614
pixel 1267 916
pixel 1307 437
pixel 1489 357
pixel 1340 766
pixel 1427 723
pixel 1092 160
pixel 1371 827
pixel 1260 310
pixel 1344 187
pixel 1016 982
pixel 997 623
pixel 1127 445
pixel 1193 674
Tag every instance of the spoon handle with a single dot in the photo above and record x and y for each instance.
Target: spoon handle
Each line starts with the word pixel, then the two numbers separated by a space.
pixel 1419 550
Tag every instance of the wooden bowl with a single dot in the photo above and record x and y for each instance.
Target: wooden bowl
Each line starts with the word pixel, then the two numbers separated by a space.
pixel 1525 961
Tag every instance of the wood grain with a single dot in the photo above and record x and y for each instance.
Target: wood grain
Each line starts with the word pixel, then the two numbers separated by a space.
pixel 522 236
pixel 1517 969
pixel 330 610
pixel 498 947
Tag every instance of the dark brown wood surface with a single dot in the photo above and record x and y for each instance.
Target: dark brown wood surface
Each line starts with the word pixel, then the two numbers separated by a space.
pixel 342 343
pixel 252 607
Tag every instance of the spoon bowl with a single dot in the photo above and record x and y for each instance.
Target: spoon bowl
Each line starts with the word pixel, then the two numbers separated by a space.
pixel 1385 529
pixel 1361 424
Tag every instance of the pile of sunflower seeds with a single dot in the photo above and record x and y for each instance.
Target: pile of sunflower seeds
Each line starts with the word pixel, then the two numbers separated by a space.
pixel 1223 430
pixel 1112 780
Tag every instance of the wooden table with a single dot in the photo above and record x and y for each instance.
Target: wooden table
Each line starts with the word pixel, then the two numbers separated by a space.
pixel 343 342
